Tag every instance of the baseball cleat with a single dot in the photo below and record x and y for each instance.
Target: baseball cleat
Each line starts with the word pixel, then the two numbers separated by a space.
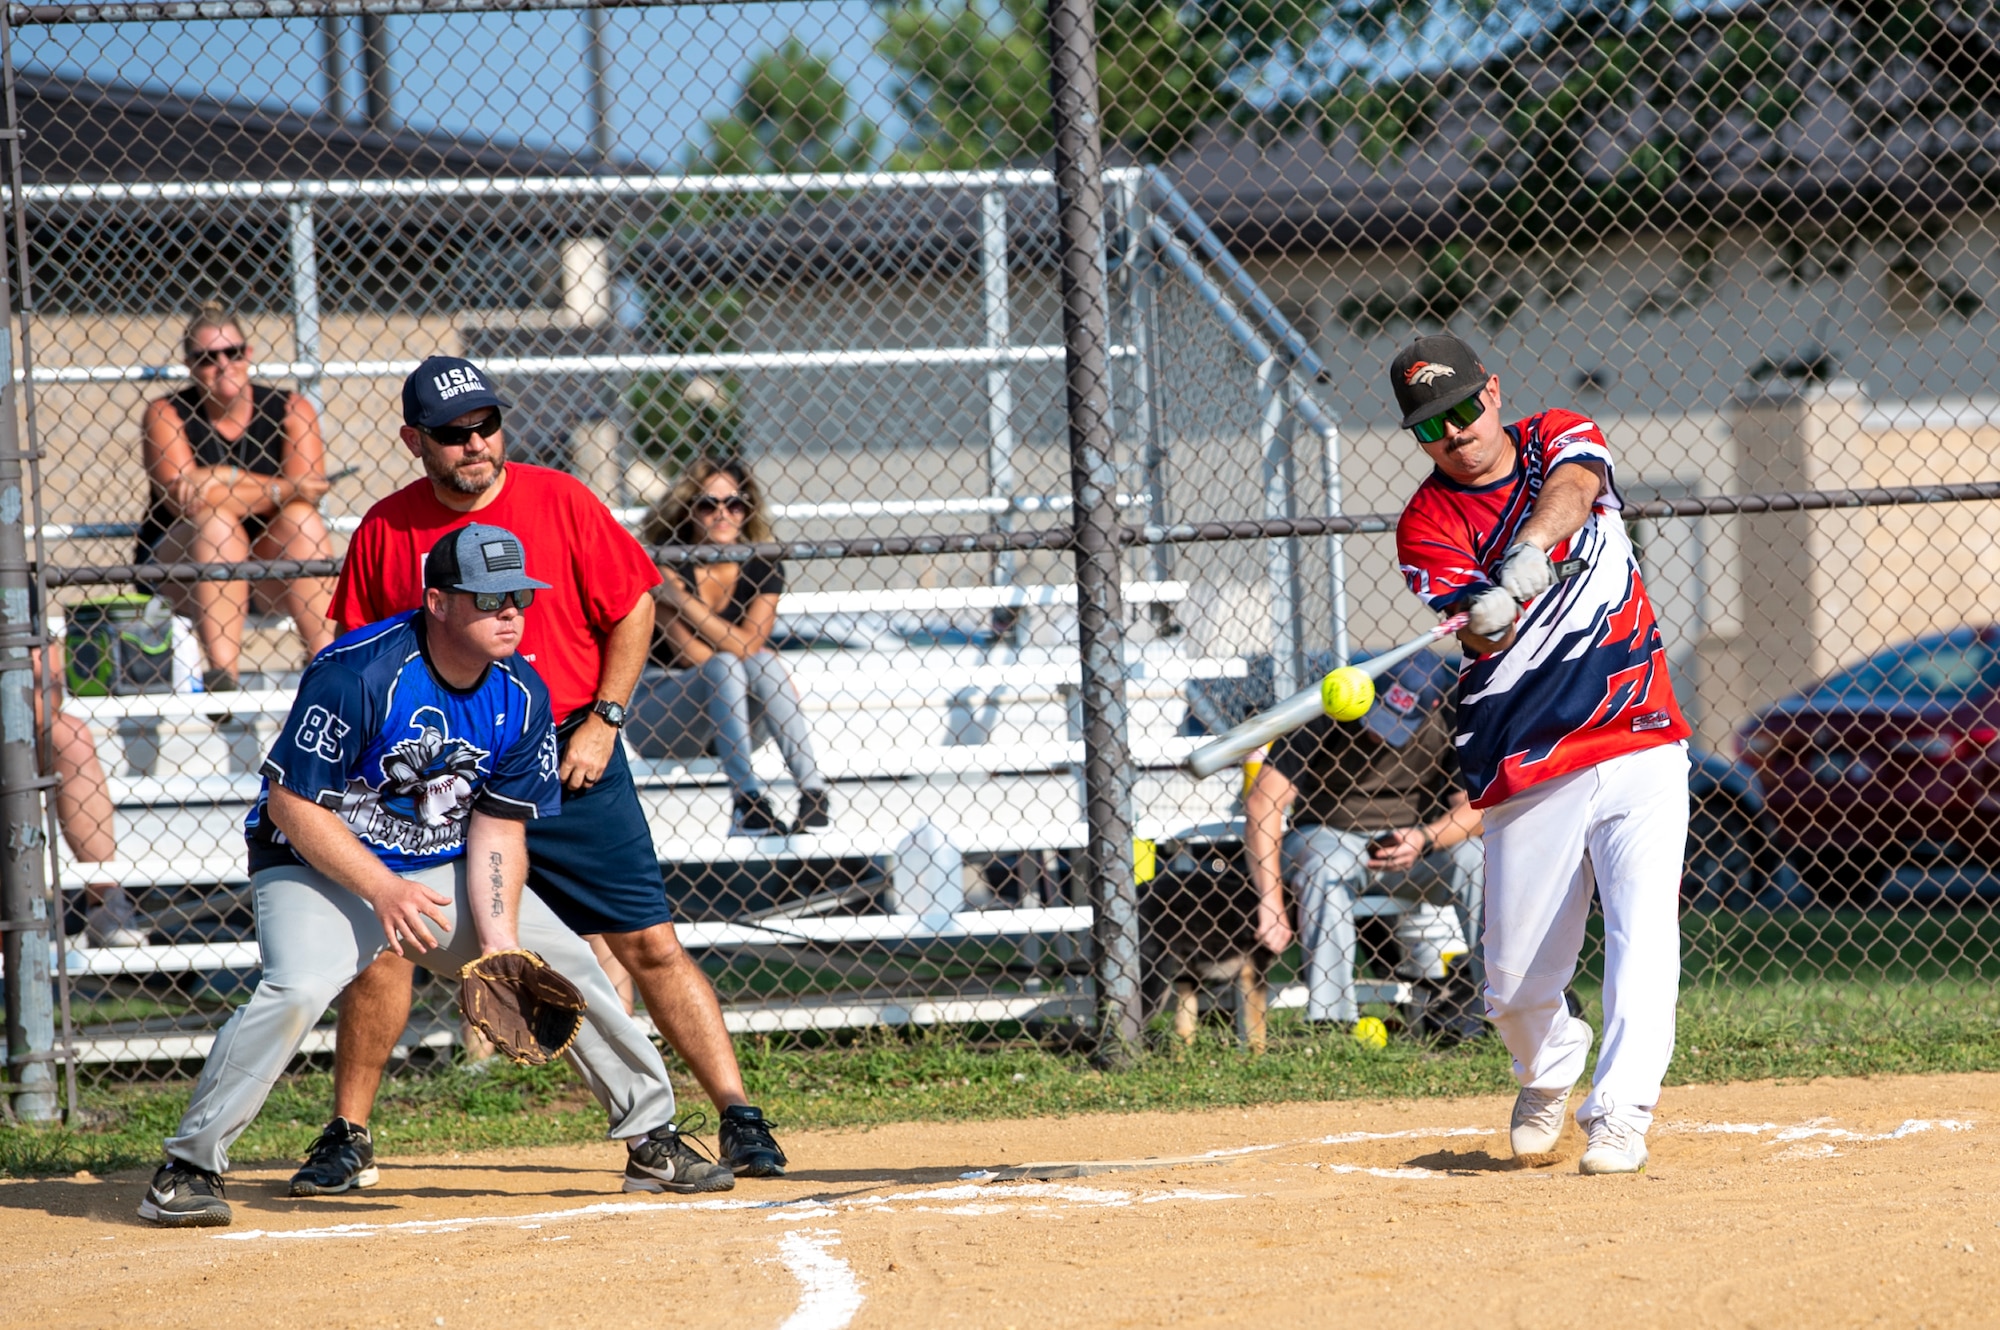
pixel 1537 1123
pixel 342 1158
pixel 1615 1147
pixel 667 1160
pixel 183 1196
pixel 746 1145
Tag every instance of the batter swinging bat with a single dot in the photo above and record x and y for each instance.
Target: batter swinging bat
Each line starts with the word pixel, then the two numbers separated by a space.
pixel 1309 704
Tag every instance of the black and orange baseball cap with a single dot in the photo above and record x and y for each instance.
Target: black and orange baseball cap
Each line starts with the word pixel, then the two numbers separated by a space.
pixel 1434 374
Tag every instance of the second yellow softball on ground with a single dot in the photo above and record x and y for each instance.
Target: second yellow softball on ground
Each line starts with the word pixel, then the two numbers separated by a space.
pixel 1371 1034
pixel 1347 693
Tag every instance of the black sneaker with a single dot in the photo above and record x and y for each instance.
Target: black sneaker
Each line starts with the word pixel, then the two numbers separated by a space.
pixel 668 1160
pixel 342 1158
pixel 183 1196
pixel 746 1144
pixel 815 810
pixel 751 815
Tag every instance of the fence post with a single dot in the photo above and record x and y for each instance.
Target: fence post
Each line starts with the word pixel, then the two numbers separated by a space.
pixel 1107 780
pixel 24 902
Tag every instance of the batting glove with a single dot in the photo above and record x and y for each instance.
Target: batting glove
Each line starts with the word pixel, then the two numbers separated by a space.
pixel 1525 571
pixel 1491 613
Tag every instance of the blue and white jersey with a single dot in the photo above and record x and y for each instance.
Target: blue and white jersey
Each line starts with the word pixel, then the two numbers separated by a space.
pixel 404 757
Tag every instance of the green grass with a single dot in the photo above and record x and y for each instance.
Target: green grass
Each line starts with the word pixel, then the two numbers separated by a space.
pixel 886 1077
pixel 1790 995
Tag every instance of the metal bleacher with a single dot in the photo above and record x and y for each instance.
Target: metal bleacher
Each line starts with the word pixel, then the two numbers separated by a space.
pixel 981 740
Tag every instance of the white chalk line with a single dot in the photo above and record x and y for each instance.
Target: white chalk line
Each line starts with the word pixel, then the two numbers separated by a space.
pixel 781 1211
pixel 829 1294
pixel 977 1198
pixel 1816 1131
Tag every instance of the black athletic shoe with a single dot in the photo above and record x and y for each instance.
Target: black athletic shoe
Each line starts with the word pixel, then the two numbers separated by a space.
pixel 183 1196
pixel 815 810
pixel 667 1160
pixel 342 1158
pixel 751 815
pixel 746 1144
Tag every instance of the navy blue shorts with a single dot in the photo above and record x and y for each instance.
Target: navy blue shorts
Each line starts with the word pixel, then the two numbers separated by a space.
pixel 594 865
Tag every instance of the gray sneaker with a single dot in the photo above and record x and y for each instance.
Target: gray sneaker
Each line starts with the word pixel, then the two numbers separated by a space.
pixel 113 922
pixel 669 1160
pixel 183 1196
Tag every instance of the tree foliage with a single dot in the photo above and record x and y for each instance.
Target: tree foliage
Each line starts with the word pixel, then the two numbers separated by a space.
pixel 973 79
pixel 793 115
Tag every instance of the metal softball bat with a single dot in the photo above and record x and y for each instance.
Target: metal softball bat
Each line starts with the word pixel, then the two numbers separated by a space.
pixel 1302 707
pixel 1309 704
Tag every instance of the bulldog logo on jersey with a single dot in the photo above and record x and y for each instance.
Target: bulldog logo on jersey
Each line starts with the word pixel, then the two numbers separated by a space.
pixel 425 798
pixel 1428 371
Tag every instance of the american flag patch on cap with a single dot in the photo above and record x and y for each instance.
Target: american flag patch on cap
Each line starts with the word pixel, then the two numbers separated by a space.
pixel 502 556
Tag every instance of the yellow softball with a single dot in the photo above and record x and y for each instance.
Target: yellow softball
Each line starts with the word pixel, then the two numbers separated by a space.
pixel 1347 693
pixel 1371 1034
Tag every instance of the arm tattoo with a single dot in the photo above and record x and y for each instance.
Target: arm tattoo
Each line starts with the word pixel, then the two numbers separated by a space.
pixel 493 876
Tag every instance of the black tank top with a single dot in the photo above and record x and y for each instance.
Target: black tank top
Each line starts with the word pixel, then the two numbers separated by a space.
pixel 260 448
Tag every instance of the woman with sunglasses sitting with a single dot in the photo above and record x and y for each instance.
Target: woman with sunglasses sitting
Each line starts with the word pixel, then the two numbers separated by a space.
pixel 713 674
pixel 237 471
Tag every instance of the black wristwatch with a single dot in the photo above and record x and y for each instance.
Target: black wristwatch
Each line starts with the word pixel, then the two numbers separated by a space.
pixel 611 713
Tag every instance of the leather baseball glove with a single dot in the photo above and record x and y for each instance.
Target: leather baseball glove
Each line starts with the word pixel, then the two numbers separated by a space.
pixel 530 1012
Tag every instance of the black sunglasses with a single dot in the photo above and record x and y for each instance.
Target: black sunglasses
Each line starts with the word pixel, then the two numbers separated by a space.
pixel 215 355
pixel 486 602
pixel 457 436
pixel 1462 415
pixel 735 504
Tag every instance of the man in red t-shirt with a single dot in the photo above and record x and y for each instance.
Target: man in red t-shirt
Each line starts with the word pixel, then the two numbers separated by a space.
pixel 587 636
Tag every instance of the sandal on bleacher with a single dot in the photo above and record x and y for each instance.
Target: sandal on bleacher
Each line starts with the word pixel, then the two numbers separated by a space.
pixel 752 815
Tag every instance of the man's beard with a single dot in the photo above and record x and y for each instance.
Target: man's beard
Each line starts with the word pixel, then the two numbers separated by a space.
pixel 436 468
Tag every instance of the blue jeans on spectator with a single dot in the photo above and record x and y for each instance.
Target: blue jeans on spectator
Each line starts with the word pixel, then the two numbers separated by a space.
pixel 718 706
pixel 1328 869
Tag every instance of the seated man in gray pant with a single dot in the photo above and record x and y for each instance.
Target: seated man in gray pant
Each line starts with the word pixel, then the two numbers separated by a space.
pixel 1379 812
pixel 417 746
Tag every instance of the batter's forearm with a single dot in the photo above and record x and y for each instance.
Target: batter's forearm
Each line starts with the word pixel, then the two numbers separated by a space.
pixel 1563 506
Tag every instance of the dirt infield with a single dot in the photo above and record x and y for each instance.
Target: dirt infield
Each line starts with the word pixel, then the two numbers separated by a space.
pixel 1839 1202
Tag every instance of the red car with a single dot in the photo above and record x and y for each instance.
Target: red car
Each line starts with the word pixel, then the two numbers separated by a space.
pixel 1889 762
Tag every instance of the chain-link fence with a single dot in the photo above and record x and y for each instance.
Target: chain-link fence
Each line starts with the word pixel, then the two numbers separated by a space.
pixel 934 771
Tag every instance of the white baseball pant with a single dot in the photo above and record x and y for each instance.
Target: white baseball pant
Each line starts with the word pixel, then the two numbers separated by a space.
pixel 316 935
pixel 1620 827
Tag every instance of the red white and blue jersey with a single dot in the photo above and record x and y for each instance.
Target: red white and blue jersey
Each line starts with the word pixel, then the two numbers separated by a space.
pixel 1586 677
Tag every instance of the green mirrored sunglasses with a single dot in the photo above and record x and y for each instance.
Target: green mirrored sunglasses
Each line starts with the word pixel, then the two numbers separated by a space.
pixel 1462 415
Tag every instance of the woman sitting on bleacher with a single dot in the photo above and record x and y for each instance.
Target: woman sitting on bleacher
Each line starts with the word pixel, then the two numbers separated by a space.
pixel 237 471
pixel 713 675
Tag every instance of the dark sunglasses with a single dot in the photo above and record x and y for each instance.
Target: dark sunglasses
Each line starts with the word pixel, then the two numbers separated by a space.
pixel 457 436
pixel 486 602
pixel 1462 415
pixel 215 355
pixel 735 505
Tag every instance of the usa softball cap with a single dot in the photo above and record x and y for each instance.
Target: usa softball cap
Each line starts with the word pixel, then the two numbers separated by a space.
pixel 444 388
pixel 1434 374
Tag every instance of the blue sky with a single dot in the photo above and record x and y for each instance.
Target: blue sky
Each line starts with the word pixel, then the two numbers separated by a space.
pixel 521 75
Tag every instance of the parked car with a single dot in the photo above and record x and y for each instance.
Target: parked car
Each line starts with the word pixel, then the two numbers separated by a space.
pixel 1886 763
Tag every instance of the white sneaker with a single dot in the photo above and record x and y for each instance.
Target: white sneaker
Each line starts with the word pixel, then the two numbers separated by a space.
pixel 1537 1123
pixel 1616 1146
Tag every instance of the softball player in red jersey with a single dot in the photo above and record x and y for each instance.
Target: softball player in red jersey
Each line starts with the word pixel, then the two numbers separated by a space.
pixel 1569 739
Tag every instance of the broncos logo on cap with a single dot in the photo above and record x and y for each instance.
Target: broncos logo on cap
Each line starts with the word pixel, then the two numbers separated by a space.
pixel 1427 371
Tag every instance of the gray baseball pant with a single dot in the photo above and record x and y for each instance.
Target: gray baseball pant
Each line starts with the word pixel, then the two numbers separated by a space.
pixel 1329 868
pixel 316 936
